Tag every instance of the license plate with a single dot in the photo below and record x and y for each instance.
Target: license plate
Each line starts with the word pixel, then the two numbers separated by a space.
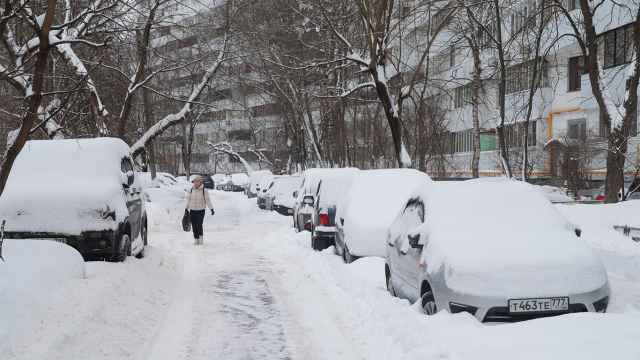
pixel 554 304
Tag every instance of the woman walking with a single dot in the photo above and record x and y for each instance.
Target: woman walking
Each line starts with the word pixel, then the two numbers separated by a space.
pixel 197 202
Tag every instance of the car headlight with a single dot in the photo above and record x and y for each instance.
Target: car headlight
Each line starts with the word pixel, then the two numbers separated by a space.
pixel 601 305
pixel 458 308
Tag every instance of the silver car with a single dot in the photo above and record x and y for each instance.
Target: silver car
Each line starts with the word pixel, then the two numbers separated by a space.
pixel 497 250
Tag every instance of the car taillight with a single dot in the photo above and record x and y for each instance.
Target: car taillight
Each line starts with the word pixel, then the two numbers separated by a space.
pixel 324 219
pixel 599 197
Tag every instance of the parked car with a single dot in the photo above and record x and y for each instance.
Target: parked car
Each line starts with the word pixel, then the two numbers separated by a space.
pixel 219 180
pixel 255 178
pixel 497 250
pixel 304 196
pixel 208 181
pixel 331 190
pixel 369 207
pixel 282 194
pixel 239 182
pixel 81 192
pixel 265 185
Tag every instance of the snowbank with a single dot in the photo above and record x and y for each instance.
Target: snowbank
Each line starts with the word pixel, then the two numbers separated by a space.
pixel 372 203
pixel 502 238
pixel 63 186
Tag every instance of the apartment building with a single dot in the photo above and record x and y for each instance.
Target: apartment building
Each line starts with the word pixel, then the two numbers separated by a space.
pixel 565 130
pixel 231 112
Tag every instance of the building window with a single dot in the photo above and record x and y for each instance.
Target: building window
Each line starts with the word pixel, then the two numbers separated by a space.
pixel 462 95
pixel 514 134
pixel 518 77
pixel 461 141
pixel 452 56
pixel 618 46
pixel 576 70
pixel 572 4
pixel 577 129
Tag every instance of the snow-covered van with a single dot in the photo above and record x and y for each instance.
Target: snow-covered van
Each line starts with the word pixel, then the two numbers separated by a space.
pixel 81 192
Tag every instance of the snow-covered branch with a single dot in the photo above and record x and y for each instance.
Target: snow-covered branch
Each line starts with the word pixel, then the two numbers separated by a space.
pixel 226 148
pixel 175 118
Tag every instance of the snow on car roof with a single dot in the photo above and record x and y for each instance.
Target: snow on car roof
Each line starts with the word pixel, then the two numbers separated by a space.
pixel 496 229
pixel 372 203
pixel 240 179
pixel 57 185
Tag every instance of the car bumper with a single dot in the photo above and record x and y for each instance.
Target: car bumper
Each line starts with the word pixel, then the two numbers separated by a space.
pixel 495 309
pixel 87 243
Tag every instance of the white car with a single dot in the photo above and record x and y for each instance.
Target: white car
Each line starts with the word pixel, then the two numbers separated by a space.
pixel 372 202
pixel 498 250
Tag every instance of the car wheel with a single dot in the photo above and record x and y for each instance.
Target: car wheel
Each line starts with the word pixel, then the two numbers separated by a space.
pixel 347 256
pixel 428 302
pixel 387 275
pixel 124 250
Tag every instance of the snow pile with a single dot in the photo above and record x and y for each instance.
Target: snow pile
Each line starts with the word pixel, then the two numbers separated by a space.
pixel 64 186
pixel 372 203
pixel 498 238
pixel 31 271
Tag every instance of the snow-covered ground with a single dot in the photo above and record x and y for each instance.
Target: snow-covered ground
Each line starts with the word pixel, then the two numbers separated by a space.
pixel 256 290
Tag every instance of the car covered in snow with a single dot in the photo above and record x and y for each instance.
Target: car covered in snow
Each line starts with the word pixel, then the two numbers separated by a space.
pixel 81 192
pixel 366 211
pixel 255 178
pixel 239 182
pixel 265 185
pixel 498 250
pixel 282 194
pixel 304 196
pixel 331 189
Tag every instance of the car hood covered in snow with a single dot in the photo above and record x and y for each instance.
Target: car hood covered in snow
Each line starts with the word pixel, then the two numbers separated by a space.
pixel 499 238
pixel 64 186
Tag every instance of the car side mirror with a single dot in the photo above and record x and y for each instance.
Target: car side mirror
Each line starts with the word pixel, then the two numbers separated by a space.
pixel 578 232
pixel 414 241
pixel 295 194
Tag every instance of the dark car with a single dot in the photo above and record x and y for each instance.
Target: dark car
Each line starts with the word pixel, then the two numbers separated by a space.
pixel 208 181
pixel 85 194
pixel 323 215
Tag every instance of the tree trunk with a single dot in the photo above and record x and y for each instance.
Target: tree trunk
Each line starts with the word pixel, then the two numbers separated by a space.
pixel 475 103
pixel 33 101
pixel 148 119
pixel 502 87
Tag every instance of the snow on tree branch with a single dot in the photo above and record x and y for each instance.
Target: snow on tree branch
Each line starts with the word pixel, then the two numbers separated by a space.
pixel 226 148
pixel 172 119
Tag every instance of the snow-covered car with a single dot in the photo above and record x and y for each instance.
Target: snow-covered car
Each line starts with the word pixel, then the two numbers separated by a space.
pixel 239 182
pixel 497 250
pixel 81 192
pixel 265 185
pixel 304 196
pixel 219 180
pixel 162 180
pixel 555 194
pixel 368 209
pixel 282 194
pixel 255 177
pixel 331 189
